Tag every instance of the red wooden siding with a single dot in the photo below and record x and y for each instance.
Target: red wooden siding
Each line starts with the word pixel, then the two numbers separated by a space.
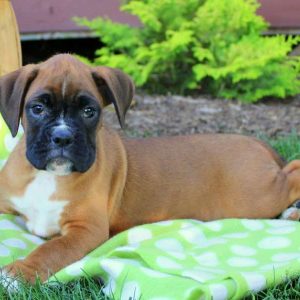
pixel 44 16
pixel 281 13
pixel 38 16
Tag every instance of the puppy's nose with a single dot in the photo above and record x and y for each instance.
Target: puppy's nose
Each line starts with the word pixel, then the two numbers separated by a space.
pixel 62 137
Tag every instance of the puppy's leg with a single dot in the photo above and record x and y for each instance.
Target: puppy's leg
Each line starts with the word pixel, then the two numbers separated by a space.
pixel 292 173
pixel 79 238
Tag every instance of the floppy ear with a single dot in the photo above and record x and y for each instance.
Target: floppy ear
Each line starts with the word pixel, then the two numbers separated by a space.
pixel 115 87
pixel 13 89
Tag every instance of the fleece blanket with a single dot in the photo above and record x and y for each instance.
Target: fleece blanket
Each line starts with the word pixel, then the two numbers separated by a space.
pixel 180 259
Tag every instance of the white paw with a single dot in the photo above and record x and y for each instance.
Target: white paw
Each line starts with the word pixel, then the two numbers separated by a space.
pixel 12 284
pixel 291 213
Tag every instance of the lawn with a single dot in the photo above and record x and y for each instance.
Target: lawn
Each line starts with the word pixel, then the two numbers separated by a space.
pixel 288 147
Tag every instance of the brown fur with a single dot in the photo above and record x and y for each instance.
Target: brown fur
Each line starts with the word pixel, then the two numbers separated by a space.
pixel 133 182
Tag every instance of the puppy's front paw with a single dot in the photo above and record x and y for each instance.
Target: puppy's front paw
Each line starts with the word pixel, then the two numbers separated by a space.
pixel 14 273
pixel 12 284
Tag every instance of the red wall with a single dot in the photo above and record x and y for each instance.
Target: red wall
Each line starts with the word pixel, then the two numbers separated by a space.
pixel 281 13
pixel 55 15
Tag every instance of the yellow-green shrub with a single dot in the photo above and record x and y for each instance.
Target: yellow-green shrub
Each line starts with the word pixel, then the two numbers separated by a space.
pixel 210 46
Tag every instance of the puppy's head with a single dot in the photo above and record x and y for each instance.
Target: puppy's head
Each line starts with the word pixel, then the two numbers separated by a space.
pixel 60 104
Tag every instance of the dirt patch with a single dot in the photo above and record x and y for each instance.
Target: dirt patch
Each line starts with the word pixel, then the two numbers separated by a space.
pixel 173 115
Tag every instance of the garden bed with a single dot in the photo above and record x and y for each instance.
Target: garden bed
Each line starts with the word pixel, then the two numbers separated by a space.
pixel 173 115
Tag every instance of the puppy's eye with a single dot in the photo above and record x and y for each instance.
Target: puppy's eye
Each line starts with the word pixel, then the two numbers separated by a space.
pixel 37 109
pixel 89 112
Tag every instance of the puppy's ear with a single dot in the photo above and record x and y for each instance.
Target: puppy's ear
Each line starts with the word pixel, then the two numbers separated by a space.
pixel 13 89
pixel 115 87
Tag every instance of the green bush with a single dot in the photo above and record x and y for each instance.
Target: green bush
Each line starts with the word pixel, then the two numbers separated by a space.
pixel 208 46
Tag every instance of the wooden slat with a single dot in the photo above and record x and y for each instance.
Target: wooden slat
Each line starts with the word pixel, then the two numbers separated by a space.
pixel 10 47
pixel 41 16
pixel 281 14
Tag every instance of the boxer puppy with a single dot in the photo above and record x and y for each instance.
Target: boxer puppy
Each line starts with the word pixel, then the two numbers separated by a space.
pixel 76 181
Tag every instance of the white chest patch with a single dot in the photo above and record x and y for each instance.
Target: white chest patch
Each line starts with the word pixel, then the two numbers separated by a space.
pixel 42 214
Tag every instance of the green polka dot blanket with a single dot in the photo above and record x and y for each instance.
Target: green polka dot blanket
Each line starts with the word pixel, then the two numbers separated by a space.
pixel 179 259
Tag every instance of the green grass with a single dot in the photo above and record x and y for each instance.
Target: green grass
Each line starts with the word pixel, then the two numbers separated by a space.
pixel 286 291
pixel 82 289
pixel 85 289
pixel 288 147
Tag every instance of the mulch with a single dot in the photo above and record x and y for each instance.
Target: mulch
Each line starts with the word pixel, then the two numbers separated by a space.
pixel 174 115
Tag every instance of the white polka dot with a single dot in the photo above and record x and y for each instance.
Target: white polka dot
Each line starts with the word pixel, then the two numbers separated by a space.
pixel 211 270
pixel 207 259
pixel 76 268
pixel 169 245
pixel 167 263
pixel 110 288
pixel 242 250
pixel 15 243
pixel 218 291
pixel 214 226
pixel 255 281
pixel 199 276
pixel 10 142
pixel 193 235
pixel 8 225
pixel 172 247
pixel 132 262
pixel 153 273
pixel 283 230
pixel 285 256
pixel 21 222
pixel 212 242
pixel 4 251
pixel 112 266
pixel 137 235
pixel 237 235
pixel 186 225
pixel 165 223
pixel 130 248
pixel 242 262
pixel 252 224
pixel 131 290
pixel 273 266
pixel 32 238
pixel 274 243
pixel 280 223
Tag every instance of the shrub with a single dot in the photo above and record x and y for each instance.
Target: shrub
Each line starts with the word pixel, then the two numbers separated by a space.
pixel 208 46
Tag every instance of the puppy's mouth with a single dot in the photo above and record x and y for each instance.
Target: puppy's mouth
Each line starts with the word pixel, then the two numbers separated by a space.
pixel 60 166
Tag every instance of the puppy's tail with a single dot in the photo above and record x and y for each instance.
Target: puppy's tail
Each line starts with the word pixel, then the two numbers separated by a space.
pixel 292 173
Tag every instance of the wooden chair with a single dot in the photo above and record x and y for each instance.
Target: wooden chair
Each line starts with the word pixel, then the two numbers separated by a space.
pixel 10 46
